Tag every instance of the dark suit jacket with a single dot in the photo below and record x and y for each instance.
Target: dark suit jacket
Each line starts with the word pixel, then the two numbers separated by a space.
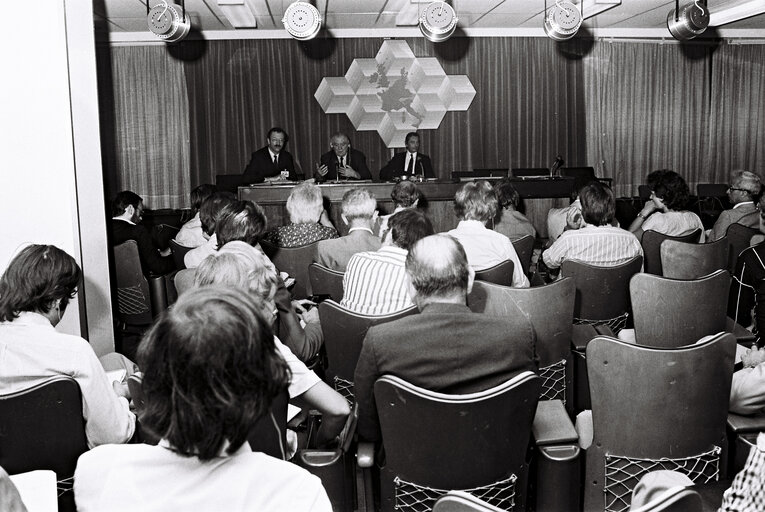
pixel 446 348
pixel 261 165
pixel 335 253
pixel 396 167
pixel 151 261
pixel 357 160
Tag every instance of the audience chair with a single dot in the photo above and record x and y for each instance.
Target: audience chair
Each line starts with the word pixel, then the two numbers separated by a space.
pixel 742 437
pixel 644 192
pixel 681 260
pixel 712 201
pixel 524 247
pixel 550 309
pixel 739 238
pixel 325 281
pixel 674 499
pixel 295 262
pixel 42 428
pixel 344 333
pixel 435 442
pixel 138 300
pixel 501 273
pixel 655 408
pixel 651 242
pixel 179 251
pixel 674 313
pixel 459 501
pixel 184 280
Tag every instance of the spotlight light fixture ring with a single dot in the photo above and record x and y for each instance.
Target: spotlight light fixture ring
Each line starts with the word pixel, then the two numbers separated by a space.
pixel 302 20
pixel 562 20
pixel 168 21
pixel 688 21
pixel 438 21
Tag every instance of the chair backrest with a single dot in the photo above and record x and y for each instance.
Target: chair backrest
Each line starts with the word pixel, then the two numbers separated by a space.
pixel 524 247
pixel 674 312
pixel 550 309
pixel 457 442
pixel 459 501
pixel 133 295
pixel 295 262
pixel 43 428
pixel 184 280
pixel 674 499
pixel 325 281
pixel 681 260
pixel 654 403
pixel 712 197
pixel 739 238
pixel 179 251
pixel 581 175
pixel 501 273
pixel 644 192
pixel 344 333
pixel 651 242
pixel 602 293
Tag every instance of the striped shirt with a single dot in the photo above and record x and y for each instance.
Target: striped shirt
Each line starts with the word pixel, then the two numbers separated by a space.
pixel 375 283
pixel 603 246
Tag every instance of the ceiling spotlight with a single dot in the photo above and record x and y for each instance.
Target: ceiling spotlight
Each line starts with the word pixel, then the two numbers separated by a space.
pixel 302 21
pixel 438 22
pixel 168 22
pixel 688 21
pixel 562 20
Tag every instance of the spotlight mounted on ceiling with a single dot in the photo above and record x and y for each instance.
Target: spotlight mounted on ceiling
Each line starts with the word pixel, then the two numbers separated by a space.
pixel 562 20
pixel 689 21
pixel 438 22
pixel 168 21
pixel 302 21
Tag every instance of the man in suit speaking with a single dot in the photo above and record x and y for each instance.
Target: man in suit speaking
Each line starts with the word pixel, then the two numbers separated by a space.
pixel 269 162
pixel 409 163
pixel 342 162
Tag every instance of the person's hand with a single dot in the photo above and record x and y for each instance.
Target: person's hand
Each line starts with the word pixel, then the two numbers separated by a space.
pixel 753 357
pixel 121 389
pixel 310 316
pixel 9 495
pixel 348 172
pixel 299 305
pixel 648 208
pixel 322 170
pixel 574 219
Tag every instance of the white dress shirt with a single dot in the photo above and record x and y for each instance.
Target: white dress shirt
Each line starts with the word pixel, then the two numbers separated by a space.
pixel 191 234
pixel 604 246
pixel 195 257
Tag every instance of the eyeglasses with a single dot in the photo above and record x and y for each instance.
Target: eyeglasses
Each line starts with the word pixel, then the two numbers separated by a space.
pixel 739 189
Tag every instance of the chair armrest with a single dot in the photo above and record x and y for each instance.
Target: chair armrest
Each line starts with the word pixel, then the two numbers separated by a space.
pixel 739 424
pixel 365 455
pixel 581 334
pixel 743 335
pixel 552 424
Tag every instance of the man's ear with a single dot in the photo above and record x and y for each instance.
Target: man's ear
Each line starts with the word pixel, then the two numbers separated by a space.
pixel 130 210
pixel 471 279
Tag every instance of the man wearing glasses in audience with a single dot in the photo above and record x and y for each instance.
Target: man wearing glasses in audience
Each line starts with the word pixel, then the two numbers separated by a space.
pixel 743 193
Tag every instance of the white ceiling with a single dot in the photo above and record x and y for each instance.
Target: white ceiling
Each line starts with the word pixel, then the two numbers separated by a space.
pixel 125 20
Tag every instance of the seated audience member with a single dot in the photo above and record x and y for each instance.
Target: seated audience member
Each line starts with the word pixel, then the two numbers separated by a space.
pixel 9 494
pixel 240 265
pixel 269 162
pixel 405 195
pixel 210 370
pixel 744 193
pixel 245 222
pixel 342 162
pixel 446 348
pixel 557 218
pixel 744 304
pixel 510 222
pixel 208 216
pixel 665 212
pixel 35 290
pixel 408 163
pixel 597 242
pixel 359 213
pixel 476 204
pixel 309 222
pixel 375 282
pixel 747 391
pixel 191 234
pixel 127 211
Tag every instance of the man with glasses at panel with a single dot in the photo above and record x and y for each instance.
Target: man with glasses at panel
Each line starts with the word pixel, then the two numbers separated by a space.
pixel 272 162
pixel 342 162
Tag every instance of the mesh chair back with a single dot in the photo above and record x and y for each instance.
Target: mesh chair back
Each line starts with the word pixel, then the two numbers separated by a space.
pixel 655 408
pixel 739 238
pixel 454 442
pixel 325 281
pixel 674 313
pixel 524 247
pixel 184 280
pixel 179 251
pixel 681 260
pixel 501 273
pixel 602 293
pixel 651 242
pixel 295 262
pixel 133 295
pixel 344 333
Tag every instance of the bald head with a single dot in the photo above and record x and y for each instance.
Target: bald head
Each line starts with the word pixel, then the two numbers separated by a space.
pixel 438 270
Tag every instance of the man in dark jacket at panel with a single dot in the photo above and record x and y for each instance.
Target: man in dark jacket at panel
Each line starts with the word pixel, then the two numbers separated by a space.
pixel 269 162
pixel 342 162
pixel 409 163
pixel 127 212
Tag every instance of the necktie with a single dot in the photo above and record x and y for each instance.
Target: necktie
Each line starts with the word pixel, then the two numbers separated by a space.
pixel 410 167
pixel 342 161
pixel 276 160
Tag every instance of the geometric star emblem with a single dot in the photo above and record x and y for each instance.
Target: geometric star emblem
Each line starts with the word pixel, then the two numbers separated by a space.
pixel 395 93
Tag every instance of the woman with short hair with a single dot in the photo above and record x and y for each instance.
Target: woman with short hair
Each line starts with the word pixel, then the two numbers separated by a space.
pixel 309 222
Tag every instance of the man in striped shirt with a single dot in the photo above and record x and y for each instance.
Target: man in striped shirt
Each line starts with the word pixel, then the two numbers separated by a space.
pixel 375 282
pixel 589 237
